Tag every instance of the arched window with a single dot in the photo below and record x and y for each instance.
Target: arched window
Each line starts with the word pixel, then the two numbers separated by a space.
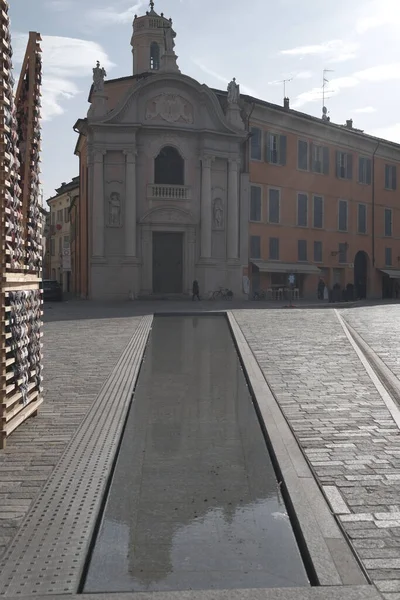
pixel 154 56
pixel 169 167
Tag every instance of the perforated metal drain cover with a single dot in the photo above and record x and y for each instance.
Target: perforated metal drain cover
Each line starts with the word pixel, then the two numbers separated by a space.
pixel 48 553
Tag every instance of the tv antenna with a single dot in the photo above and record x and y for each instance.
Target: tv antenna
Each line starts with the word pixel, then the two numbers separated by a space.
pixel 285 81
pixel 324 82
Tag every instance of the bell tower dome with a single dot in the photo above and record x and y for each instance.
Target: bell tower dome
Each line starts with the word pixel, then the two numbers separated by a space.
pixel 152 38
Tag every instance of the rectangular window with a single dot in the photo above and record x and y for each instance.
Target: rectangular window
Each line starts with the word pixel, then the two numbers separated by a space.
pixel 255 246
pixel 318 212
pixel 302 250
pixel 255 203
pixel 274 248
pixel 53 247
pixel 53 218
pixel 362 218
pixel 66 241
pixel 344 165
pixel 302 155
pixel 390 177
pixel 276 149
pixel 273 205
pixel 255 144
pixel 318 252
pixel 302 210
pixel 343 253
pixel 320 159
pixel 60 246
pixel 342 215
pixel 388 222
pixel 66 215
pixel 388 257
pixel 364 170
pixel 60 216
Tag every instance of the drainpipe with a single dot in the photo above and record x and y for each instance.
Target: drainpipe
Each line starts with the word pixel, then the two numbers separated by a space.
pixel 373 204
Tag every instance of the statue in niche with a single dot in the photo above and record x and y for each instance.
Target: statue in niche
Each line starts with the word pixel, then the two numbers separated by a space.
pixel 218 214
pixel 98 78
pixel 233 92
pixel 114 210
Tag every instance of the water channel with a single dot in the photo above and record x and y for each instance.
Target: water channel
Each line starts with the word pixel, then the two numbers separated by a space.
pixel 194 502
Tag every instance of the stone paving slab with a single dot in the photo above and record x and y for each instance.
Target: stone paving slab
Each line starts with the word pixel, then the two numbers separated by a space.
pixel 379 326
pixel 82 344
pixel 342 424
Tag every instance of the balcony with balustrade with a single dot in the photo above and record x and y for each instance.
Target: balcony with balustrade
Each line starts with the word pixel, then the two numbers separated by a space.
pixel 156 191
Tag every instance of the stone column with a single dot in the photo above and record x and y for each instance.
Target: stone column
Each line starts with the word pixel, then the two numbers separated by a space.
pixel 233 209
pixel 98 204
pixel 130 204
pixel 206 207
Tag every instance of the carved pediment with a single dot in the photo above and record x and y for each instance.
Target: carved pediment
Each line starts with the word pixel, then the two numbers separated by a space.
pixel 171 108
pixel 167 216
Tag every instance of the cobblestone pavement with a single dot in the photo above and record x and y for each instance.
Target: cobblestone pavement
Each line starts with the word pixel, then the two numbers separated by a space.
pixel 342 425
pixel 379 326
pixel 81 346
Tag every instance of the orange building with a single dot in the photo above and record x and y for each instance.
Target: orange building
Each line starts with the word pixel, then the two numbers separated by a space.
pixel 323 203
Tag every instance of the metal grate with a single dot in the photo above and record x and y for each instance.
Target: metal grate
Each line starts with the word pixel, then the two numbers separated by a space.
pixel 49 551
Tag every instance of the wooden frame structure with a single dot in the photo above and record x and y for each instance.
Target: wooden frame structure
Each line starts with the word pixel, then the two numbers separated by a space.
pixel 20 235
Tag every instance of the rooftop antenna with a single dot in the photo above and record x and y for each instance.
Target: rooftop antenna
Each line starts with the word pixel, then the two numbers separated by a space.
pixel 285 81
pixel 324 82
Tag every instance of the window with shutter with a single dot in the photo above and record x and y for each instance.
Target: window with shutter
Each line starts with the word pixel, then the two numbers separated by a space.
pixel 274 248
pixel 388 257
pixel 255 246
pixel 302 210
pixel 273 205
pixel 255 145
pixel 344 165
pixel 364 170
pixel 255 203
pixel 282 150
pixel 317 251
pixel 276 149
pixel 302 250
pixel 390 177
pixel 302 155
pixel 318 212
pixel 362 218
pixel 388 222
pixel 342 215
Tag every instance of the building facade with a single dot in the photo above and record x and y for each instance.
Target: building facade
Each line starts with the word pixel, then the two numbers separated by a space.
pixel 167 197
pixel 324 203
pixel 59 233
pixel 181 182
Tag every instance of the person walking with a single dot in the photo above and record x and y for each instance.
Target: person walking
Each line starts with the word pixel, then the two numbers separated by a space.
pixel 195 290
pixel 321 289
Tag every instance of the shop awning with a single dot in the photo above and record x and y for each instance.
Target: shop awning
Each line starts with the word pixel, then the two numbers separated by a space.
pixel 393 273
pixel 280 267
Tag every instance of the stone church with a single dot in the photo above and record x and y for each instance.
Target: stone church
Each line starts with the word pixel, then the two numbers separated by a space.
pixel 163 168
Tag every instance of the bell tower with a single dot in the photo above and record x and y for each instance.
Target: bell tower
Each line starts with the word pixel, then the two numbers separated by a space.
pixel 152 38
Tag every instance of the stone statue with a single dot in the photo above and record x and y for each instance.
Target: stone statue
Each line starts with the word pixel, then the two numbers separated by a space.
pixel 218 214
pixel 114 210
pixel 233 92
pixel 98 78
pixel 169 35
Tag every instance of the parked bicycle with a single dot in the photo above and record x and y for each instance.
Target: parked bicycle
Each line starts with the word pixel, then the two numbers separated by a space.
pixel 223 294
pixel 260 295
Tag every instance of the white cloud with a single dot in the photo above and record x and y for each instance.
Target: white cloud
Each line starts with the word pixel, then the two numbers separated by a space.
pixel 334 50
pixel 365 110
pixel 391 132
pixel 111 15
pixel 303 75
pixel 60 5
pixel 64 59
pixel 375 74
pixel 243 88
pixel 379 13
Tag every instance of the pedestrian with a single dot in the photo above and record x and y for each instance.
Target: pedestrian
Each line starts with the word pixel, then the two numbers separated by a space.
pixel 321 289
pixel 195 290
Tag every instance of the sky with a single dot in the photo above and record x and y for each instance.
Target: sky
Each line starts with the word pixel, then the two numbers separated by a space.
pixel 258 42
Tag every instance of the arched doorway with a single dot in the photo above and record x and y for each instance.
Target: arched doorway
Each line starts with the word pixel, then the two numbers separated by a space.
pixel 360 275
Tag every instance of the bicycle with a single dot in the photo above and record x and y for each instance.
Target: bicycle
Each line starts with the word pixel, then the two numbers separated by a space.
pixel 260 295
pixel 223 293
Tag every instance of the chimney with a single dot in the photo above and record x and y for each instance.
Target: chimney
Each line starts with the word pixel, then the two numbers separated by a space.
pixel 349 123
pixel 286 103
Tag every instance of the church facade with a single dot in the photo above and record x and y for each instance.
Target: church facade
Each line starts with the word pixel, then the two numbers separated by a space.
pixel 164 187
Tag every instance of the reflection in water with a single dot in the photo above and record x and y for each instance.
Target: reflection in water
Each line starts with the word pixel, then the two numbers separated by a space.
pixel 194 502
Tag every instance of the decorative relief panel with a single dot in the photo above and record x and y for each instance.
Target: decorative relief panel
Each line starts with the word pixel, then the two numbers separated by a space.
pixel 167 215
pixel 171 108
